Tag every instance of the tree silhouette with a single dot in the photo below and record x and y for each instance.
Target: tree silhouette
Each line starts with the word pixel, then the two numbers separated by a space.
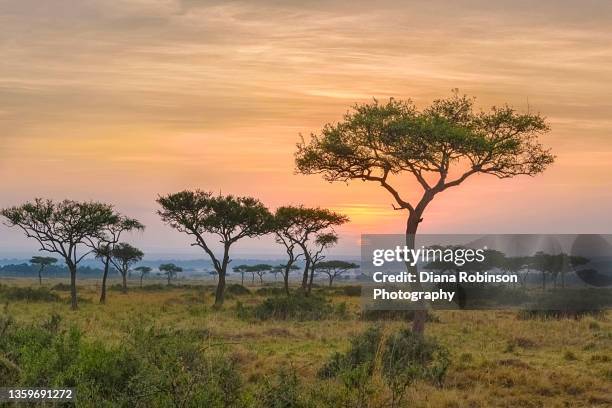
pixel 64 228
pixel 143 270
pixel 241 269
pixel 42 262
pixel 170 270
pixel 123 256
pixel 298 225
pixel 260 270
pixel 316 253
pixel 229 218
pixel 334 269
pixel 104 246
pixel 440 147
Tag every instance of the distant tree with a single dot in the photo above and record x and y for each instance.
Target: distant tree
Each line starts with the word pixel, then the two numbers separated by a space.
pixel 143 270
pixel 42 262
pixel 298 226
pixel 440 147
pixel 170 270
pixel 104 245
pixel 260 270
pixel 241 269
pixel 229 218
pixel 123 256
pixel 334 269
pixel 316 253
pixel 287 233
pixel 63 228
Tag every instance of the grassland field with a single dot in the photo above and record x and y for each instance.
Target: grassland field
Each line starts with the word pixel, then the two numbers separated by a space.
pixel 496 359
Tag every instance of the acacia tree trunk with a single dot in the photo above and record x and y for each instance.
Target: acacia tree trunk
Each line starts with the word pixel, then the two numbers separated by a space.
pixel 73 289
pixel 420 316
pixel 40 276
pixel 331 280
pixel 141 276
pixel 306 270
pixel 104 276
pixel 220 292
pixel 242 278
pixel 311 278
pixel 124 278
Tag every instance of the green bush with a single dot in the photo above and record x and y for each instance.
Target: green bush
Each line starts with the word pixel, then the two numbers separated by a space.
pixel 61 287
pixel 569 303
pixel 14 293
pixel 297 307
pixel 351 290
pixel 270 291
pixel 148 368
pixel 237 289
pixel 284 391
pixel 405 357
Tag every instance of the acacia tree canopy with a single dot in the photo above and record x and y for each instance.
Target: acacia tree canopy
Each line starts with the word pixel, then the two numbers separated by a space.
pixel 439 146
pixel 63 228
pixel 230 218
pixel 377 140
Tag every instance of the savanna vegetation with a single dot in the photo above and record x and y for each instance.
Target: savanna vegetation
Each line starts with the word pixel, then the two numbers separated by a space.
pixel 256 344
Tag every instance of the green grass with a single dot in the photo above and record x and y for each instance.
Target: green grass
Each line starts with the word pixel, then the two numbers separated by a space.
pixel 496 359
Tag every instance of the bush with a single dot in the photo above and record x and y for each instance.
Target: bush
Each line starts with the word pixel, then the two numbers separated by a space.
pixel 569 303
pixel 237 289
pixel 351 290
pixel 402 315
pixel 405 357
pixel 61 287
pixel 270 291
pixel 148 368
pixel 298 307
pixel 13 293
pixel 282 391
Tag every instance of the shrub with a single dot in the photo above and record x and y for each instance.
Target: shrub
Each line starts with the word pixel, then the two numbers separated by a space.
pixel 405 357
pixel 237 289
pixel 361 352
pixel 298 307
pixel 149 368
pixel 403 315
pixel 270 291
pixel 61 287
pixel 569 303
pixel 13 293
pixel 351 290
pixel 281 392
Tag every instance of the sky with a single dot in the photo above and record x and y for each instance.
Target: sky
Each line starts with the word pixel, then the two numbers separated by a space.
pixel 122 100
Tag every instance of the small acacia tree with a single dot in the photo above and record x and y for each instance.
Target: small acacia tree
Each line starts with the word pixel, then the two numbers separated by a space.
pixel 170 270
pixel 334 269
pixel 260 270
pixel 123 256
pixel 63 228
pixel 143 270
pixel 104 246
pixel 297 226
pixel 317 253
pixel 439 146
pixel 230 218
pixel 241 269
pixel 42 262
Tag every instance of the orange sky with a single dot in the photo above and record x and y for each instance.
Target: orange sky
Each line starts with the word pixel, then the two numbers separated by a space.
pixel 119 101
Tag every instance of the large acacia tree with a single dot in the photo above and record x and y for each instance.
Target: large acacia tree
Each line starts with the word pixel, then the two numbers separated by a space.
pixel 64 228
pixel 198 213
pixel 439 147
